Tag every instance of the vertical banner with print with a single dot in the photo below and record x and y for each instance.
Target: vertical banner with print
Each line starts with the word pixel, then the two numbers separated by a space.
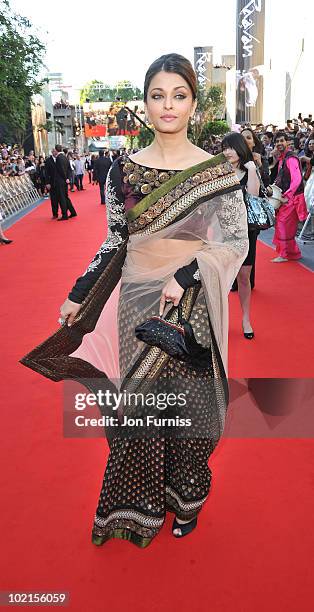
pixel 203 65
pixel 250 60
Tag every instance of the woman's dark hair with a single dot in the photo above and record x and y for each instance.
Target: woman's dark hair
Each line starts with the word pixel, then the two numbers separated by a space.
pixel 307 151
pixel 172 62
pixel 258 147
pixel 236 141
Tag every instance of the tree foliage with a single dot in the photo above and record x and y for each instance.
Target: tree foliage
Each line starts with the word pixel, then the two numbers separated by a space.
pixel 95 90
pixel 52 126
pixel 144 138
pixel 21 60
pixel 209 105
pixel 216 128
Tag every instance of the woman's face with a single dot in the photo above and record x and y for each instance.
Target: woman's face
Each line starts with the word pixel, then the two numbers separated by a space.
pixel 231 155
pixel 311 145
pixel 248 136
pixel 169 103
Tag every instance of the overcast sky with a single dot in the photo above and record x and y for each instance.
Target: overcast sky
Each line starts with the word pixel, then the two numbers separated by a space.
pixel 118 40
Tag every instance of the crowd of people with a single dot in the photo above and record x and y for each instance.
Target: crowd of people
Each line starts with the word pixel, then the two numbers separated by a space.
pixel 300 136
pixel 267 154
pixel 62 104
pixel 13 162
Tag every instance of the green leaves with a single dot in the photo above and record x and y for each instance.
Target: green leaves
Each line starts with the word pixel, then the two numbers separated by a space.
pixel 50 126
pixel 21 60
pixel 210 103
pixel 145 138
pixel 94 90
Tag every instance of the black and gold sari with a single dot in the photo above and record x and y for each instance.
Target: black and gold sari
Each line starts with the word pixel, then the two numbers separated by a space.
pixel 190 224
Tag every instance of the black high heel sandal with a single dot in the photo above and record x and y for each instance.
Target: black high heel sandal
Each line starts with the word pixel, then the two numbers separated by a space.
pixel 185 528
pixel 248 335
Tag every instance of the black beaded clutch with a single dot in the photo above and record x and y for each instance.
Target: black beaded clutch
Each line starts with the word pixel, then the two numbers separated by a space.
pixel 175 339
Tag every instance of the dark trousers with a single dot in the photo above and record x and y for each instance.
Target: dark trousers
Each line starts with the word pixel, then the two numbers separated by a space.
pixel 72 180
pixel 102 191
pixel 54 202
pixel 79 181
pixel 64 200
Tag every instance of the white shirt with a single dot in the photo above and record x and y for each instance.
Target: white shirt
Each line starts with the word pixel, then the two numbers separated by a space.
pixel 79 166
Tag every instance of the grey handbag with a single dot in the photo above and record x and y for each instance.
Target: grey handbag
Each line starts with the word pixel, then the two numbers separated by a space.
pixel 260 211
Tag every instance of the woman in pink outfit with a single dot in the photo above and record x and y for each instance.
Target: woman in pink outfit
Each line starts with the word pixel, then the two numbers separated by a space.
pixel 293 208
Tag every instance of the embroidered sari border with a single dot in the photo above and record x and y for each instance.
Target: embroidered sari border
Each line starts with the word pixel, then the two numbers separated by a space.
pixel 52 357
pixel 173 182
pixel 149 222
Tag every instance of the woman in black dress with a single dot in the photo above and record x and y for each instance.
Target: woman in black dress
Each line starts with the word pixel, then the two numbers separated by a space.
pixel 262 164
pixel 258 152
pixel 239 155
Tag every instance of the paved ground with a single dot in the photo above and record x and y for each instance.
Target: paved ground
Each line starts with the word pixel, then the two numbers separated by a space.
pixel 306 249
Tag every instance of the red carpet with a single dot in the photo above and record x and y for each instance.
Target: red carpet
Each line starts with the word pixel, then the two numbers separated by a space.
pixel 253 549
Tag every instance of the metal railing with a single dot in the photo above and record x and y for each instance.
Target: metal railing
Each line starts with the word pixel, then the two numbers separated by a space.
pixel 306 235
pixel 16 193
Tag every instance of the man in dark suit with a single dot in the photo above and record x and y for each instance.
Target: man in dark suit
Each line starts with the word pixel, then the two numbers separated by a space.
pixel 50 173
pixel 62 181
pixel 101 169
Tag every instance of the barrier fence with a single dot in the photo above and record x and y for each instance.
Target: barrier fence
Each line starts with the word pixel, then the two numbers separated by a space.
pixel 16 194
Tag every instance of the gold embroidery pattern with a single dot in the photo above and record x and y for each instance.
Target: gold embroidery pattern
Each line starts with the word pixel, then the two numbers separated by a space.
pixel 147 521
pixel 142 178
pixel 185 505
pixel 179 199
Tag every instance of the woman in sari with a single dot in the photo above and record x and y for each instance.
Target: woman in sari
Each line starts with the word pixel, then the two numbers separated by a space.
pixel 177 234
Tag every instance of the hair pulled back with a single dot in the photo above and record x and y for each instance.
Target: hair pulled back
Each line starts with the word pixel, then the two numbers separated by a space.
pixel 172 62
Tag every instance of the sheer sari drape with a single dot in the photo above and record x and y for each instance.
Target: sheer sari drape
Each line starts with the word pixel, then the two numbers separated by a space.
pixel 198 214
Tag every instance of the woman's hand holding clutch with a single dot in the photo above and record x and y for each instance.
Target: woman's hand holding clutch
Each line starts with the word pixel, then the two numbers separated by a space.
pixel 69 311
pixel 172 292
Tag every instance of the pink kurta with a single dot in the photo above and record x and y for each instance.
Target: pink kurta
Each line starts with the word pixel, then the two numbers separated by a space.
pixel 288 215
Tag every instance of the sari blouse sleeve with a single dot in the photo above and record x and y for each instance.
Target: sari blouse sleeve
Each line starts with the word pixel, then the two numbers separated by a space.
pixel 232 216
pixel 117 234
pixel 189 275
